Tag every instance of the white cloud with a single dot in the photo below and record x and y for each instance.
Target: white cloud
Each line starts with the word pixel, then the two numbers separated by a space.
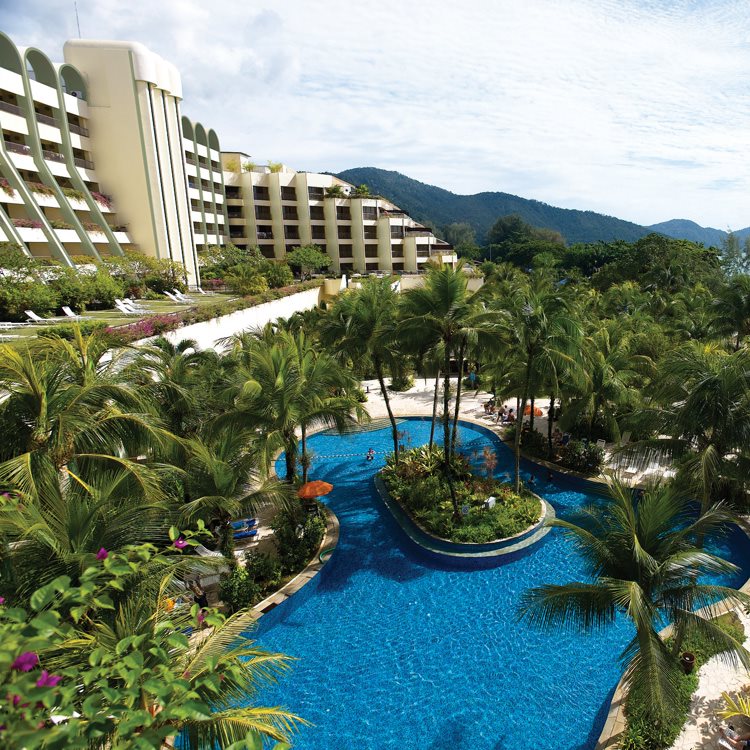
pixel 636 109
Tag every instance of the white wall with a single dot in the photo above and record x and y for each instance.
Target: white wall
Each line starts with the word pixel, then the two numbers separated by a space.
pixel 208 333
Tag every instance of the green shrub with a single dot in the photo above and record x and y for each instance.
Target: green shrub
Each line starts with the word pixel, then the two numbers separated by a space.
pixel 67 330
pixel 277 273
pixel 534 443
pixel 238 589
pixel 360 395
pixel 646 732
pixel 581 457
pixel 246 280
pixel 17 296
pixel 297 536
pixel 401 382
pixel 264 570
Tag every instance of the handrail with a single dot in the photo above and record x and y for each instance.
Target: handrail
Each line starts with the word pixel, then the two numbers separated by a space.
pixel 84 163
pixel 14 109
pixel 19 148
pixel 78 129
pixel 53 156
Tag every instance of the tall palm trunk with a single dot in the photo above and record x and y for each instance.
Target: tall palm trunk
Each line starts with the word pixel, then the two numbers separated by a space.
pixel 458 395
pixel 550 414
pixel 304 460
pixel 519 428
pixel 434 408
pixel 384 391
pixel 531 414
pixel 290 457
pixel 446 403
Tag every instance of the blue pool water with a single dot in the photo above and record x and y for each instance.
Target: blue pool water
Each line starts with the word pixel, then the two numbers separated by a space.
pixel 395 651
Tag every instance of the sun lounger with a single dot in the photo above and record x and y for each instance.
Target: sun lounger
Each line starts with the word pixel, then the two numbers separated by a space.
pixel 123 308
pixel 625 438
pixel 245 534
pixel 601 443
pixel 173 298
pixel 206 294
pixel 34 318
pixel 180 296
pixel 205 552
pixel 70 314
pixel 245 523
pixel 7 326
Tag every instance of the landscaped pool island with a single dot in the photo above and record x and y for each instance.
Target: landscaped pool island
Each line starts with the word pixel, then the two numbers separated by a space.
pixel 397 650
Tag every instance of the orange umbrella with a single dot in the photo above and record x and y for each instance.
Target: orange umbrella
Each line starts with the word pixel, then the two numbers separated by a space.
pixel 314 489
pixel 537 411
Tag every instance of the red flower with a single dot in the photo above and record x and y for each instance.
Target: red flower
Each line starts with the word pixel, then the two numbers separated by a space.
pixel 25 662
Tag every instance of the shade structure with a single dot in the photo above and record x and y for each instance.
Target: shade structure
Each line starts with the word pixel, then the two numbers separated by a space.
pixel 313 489
pixel 537 411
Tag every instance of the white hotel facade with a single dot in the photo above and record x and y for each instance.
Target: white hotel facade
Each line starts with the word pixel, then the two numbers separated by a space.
pixel 96 158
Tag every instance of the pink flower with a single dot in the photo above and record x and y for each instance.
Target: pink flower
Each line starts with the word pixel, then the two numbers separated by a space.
pixel 180 543
pixel 2 600
pixel 48 680
pixel 102 554
pixel 25 662
pixel 201 617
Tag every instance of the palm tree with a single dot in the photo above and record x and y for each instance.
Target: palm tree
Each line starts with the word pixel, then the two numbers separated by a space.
pixel 51 421
pixel 241 668
pixel 361 328
pixel 287 385
pixel 732 309
pixel 542 336
pixel 610 369
pixel 172 376
pixel 643 562
pixel 222 481
pixel 702 401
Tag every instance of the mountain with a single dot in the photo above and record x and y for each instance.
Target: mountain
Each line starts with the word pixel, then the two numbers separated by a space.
pixel 689 230
pixel 437 207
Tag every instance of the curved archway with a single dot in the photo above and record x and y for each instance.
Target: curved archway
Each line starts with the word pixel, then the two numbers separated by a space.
pixel 71 81
pixel 213 140
pixel 10 59
pixel 39 67
pixel 187 128
pixel 200 134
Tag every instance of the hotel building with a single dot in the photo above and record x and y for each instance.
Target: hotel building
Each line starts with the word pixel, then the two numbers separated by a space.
pixel 96 158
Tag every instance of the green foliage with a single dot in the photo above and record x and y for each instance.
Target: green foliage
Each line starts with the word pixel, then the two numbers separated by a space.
pixel 402 381
pixel 246 280
pixel 17 296
pixel 308 259
pixel 277 273
pixel 582 457
pixel 361 191
pixel 297 537
pixel 419 484
pixel 643 732
pixel 68 331
pixel 238 589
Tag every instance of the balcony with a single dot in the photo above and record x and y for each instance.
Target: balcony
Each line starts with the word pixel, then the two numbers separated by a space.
pixel 78 129
pixel 14 109
pixel 265 235
pixel 53 156
pixel 18 148
pixel 84 163
pixel 46 119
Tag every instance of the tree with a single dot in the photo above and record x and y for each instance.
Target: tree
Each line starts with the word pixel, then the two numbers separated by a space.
pixel 335 191
pixel 642 562
pixel 463 239
pixel 115 674
pixel 361 327
pixel 735 255
pixel 308 259
pixel 732 309
pixel 361 191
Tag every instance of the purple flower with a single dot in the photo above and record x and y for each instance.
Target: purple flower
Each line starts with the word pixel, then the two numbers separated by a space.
pixel 201 617
pixel 25 662
pixel 102 554
pixel 2 600
pixel 180 543
pixel 48 680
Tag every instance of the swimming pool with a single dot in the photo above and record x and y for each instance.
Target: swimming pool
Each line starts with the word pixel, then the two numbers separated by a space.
pixel 396 651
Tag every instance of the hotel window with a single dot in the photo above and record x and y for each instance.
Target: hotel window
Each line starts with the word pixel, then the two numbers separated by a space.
pixel 260 193
pixel 288 194
pixel 317 213
pixel 289 213
pixel 315 193
pixel 343 213
pixel 318 232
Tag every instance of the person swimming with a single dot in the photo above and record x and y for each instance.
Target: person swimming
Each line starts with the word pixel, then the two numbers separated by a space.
pixel 370 454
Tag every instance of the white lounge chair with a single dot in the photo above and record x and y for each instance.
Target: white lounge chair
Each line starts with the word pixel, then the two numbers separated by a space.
pixel 70 314
pixel 205 552
pixel 34 318
pixel 123 308
pixel 205 294
pixel 180 296
pixel 625 438
pixel 601 443
pixel 7 326
pixel 173 298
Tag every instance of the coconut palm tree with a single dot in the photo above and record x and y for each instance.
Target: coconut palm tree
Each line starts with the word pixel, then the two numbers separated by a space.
pixel 643 562
pixel 155 641
pixel 361 328
pixel 223 481
pixel 51 421
pixel 542 335
pixel 732 310
pixel 287 385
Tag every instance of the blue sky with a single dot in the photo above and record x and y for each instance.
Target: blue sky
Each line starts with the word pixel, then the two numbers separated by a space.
pixel 635 109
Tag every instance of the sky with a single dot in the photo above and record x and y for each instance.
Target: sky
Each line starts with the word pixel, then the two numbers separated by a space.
pixel 637 109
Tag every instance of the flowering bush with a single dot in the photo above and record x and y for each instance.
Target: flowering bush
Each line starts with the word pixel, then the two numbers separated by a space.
pixel 27 223
pixel 102 199
pixel 5 187
pixel 41 188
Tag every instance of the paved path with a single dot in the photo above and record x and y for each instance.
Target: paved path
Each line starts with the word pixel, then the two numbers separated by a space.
pixel 715 677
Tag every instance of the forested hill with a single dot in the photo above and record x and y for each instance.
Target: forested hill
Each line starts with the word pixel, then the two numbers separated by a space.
pixel 438 207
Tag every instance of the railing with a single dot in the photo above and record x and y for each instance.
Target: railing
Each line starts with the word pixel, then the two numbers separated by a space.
pixel 84 163
pixel 265 235
pixel 14 109
pixel 53 156
pixel 19 148
pixel 46 119
pixel 78 129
